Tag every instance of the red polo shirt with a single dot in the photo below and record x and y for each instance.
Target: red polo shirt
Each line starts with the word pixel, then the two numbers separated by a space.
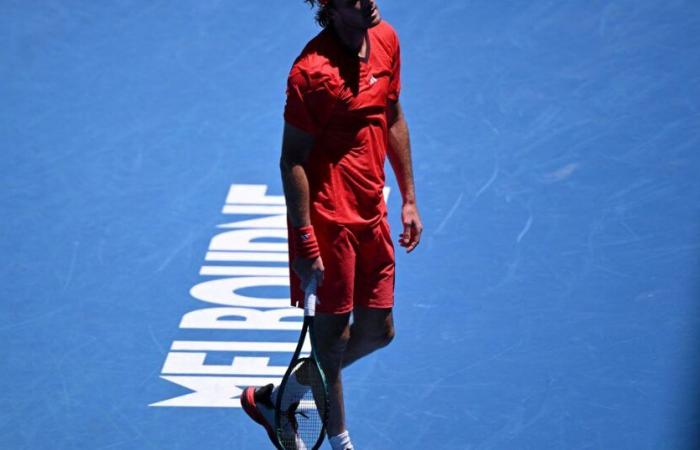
pixel 341 100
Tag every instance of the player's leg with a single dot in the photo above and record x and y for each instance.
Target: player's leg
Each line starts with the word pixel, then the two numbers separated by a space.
pixel 332 335
pixel 372 329
pixel 331 327
pixel 331 324
pixel 373 321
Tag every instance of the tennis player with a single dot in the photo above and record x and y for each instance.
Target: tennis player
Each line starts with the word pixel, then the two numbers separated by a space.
pixel 342 118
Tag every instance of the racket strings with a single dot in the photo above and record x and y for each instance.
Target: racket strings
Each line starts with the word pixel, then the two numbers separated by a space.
pixel 291 414
pixel 301 425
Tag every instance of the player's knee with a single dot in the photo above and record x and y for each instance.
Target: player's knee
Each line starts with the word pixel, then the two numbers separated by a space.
pixel 375 337
pixel 386 336
pixel 381 337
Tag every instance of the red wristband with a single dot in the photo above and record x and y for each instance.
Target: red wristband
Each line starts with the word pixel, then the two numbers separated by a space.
pixel 305 242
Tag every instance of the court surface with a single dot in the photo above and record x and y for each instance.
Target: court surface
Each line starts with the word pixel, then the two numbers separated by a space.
pixel 553 301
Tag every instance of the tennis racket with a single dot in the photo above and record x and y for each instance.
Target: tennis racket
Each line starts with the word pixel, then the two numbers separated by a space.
pixel 301 408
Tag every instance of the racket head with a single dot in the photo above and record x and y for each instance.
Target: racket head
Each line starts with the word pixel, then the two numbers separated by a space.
pixel 301 414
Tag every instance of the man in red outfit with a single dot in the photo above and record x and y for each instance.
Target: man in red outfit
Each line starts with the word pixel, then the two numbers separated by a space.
pixel 342 118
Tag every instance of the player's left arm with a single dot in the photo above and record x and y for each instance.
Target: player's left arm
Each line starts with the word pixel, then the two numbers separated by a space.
pixel 399 153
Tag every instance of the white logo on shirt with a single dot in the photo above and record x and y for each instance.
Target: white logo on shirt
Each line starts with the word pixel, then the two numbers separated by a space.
pixel 372 80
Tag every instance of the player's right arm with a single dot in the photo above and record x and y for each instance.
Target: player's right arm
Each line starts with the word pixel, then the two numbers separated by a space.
pixel 296 147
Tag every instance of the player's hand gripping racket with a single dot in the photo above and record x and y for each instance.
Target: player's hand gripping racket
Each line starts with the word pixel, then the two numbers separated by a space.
pixel 301 408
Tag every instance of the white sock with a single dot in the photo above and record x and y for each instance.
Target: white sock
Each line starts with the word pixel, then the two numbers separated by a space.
pixel 293 392
pixel 341 441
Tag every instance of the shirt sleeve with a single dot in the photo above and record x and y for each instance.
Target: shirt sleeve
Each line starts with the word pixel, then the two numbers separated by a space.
pixel 297 110
pixel 395 80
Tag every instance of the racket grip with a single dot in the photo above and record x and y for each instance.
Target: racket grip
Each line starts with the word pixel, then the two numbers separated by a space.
pixel 310 298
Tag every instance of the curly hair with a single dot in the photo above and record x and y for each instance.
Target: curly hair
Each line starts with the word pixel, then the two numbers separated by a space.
pixel 323 15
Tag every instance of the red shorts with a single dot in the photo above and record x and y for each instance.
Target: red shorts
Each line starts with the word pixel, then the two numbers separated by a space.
pixel 359 269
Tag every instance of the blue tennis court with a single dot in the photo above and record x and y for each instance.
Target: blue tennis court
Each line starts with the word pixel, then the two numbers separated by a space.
pixel 553 303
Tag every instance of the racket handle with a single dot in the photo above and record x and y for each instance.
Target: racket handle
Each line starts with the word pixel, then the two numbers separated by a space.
pixel 310 298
